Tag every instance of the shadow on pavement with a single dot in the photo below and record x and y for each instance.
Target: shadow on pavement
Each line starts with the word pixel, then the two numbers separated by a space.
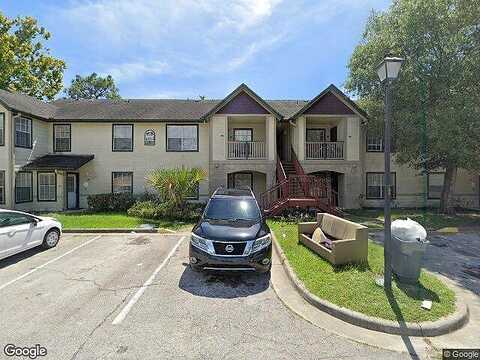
pixel 226 285
pixel 401 321
pixel 12 260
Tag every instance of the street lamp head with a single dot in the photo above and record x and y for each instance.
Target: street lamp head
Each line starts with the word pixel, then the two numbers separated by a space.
pixel 389 68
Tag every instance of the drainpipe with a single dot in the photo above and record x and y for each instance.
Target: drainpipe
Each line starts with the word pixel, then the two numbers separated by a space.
pixel 11 158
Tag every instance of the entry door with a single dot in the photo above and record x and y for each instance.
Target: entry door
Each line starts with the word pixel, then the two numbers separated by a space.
pixel 244 137
pixel 72 191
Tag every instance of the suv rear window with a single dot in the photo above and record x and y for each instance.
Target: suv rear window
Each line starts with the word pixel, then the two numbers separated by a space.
pixel 232 209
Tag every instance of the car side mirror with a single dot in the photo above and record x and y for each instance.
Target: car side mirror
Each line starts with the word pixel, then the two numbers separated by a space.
pixel 34 221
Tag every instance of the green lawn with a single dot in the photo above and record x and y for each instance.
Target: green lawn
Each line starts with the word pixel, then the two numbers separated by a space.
pixel 354 287
pixel 112 220
pixel 429 218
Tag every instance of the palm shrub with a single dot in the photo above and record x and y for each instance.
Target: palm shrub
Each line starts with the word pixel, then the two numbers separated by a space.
pixel 175 186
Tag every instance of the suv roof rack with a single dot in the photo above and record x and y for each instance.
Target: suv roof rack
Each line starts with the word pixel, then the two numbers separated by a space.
pixel 240 191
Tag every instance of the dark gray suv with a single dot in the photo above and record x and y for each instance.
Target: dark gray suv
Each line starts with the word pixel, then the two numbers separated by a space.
pixel 232 234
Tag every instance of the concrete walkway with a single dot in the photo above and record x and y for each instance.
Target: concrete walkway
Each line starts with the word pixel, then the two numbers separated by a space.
pixel 416 347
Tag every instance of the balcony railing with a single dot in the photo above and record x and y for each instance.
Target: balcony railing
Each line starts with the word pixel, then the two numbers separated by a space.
pixel 247 150
pixel 324 150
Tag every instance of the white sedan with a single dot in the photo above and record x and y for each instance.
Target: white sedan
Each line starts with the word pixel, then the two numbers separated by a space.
pixel 20 231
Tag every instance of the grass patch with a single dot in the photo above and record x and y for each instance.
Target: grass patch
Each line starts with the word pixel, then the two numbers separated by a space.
pixel 354 287
pixel 429 218
pixel 87 220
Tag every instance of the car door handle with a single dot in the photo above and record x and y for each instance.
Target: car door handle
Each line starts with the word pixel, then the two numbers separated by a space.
pixel 12 233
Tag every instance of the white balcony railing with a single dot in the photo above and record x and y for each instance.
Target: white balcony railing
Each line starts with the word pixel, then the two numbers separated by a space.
pixel 247 150
pixel 324 150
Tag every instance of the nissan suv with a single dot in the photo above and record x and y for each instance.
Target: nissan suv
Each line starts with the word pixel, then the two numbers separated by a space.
pixel 232 234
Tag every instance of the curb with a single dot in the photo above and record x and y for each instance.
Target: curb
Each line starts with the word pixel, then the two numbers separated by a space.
pixel 114 231
pixel 444 326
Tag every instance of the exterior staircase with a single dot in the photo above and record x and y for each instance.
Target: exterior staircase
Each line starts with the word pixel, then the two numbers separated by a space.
pixel 295 189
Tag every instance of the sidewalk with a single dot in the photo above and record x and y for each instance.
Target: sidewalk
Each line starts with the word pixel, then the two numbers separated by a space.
pixel 418 347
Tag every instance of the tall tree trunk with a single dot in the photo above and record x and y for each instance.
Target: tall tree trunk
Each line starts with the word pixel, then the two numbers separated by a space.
pixel 447 205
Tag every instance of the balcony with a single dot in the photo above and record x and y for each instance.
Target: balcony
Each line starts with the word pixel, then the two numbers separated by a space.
pixel 242 150
pixel 324 150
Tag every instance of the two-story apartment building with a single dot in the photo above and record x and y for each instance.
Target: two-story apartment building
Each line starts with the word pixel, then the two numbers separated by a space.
pixel 53 155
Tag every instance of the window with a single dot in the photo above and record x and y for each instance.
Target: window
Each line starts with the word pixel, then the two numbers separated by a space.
pixel 122 137
pixel 435 185
pixel 374 143
pixel 243 135
pixel 23 132
pixel 375 187
pixel 62 138
pixel 46 186
pixel 122 182
pixel 23 187
pixel 12 219
pixel 2 129
pixel 182 137
pixel 316 135
pixel 149 138
pixel 2 187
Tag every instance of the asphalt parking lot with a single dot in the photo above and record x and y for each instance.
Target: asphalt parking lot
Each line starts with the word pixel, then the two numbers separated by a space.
pixel 132 296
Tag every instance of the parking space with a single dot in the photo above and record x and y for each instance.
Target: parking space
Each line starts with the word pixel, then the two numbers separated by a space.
pixel 133 296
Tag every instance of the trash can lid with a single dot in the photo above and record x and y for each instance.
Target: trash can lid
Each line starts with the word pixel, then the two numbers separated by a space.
pixel 408 231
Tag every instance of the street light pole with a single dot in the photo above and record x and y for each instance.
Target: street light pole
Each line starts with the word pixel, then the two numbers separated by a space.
pixel 387 277
pixel 387 72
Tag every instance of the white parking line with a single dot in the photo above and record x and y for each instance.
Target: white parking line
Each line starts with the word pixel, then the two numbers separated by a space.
pixel 123 314
pixel 48 263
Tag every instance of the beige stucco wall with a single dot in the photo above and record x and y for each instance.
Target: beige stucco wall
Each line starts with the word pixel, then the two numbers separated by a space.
pixel 96 139
pixel 411 185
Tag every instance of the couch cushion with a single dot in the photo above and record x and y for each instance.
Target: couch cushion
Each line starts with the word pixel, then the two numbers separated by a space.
pixel 338 228
pixel 318 236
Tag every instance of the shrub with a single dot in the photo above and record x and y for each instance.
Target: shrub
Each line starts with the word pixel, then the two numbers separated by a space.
pixel 110 202
pixel 164 210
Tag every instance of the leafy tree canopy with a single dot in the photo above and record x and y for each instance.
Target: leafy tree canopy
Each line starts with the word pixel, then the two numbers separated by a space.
pixel 93 87
pixel 437 96
pixel 25 63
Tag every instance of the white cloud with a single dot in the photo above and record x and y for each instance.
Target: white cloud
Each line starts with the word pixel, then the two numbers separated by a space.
pixel 134 70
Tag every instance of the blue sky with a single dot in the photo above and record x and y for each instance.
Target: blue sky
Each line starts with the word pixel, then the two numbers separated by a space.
pixel 283 49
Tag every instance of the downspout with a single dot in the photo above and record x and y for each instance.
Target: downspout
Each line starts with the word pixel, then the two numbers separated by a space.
pixel 11 158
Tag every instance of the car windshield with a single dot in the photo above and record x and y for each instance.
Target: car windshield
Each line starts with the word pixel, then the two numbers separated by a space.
pixel 232 209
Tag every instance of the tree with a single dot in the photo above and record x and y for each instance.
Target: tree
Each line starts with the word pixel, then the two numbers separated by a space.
pixel 437 96
pixel 92 87
pixel 25 64
pixel 176 185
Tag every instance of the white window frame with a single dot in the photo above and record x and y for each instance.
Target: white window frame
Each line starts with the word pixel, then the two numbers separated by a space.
pixel 379 183
pixel 23 125
pixel 24 180
pixel 46 186
pixel 59 133
pixel 114 137
pixel 122 177
pixel 184 141
pixel 375 143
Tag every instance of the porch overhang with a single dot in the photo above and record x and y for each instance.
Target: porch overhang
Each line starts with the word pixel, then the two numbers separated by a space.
pixel 58 162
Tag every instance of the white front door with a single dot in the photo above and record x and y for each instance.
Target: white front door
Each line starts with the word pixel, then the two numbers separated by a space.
pixel 72 191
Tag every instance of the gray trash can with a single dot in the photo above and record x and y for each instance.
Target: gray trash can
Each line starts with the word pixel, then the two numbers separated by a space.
pixel 407 255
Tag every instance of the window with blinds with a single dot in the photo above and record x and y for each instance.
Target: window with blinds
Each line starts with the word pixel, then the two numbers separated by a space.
pixel 375 187
pixel 23 132
pixel 182 138
pixel 23 187
pixel 122 182
pixel 62 141
pixel 122 137
pixel 47 187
